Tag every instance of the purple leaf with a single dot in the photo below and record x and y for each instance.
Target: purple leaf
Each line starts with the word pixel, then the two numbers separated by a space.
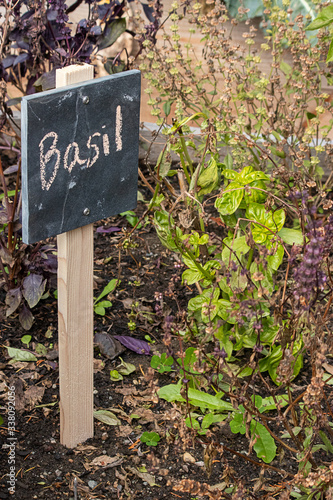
pixel 21 58
pixel 102 229
pixel 13 300
pixel 62 52
pixel 109 347
pixel 23 45
pixel 148 12
pixel 96 30
pixel 3 218
pixel 6 256
pixel 51 263
pixel 26 318
pixel 46 248
pixel 51 14
pixel 33 289
pixel 136 345
pixel 27 15
pixel 83 23
pixel 13 168
pixel 8 61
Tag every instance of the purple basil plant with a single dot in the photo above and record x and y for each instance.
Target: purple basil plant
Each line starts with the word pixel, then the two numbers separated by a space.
pixel 36 38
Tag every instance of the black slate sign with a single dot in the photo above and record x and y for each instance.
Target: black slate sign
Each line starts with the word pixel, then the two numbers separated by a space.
pixel 80 147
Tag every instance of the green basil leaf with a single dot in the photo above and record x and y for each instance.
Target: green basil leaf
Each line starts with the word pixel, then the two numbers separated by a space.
pixel 108 289
pixel 224 310
pixel 204 400
pixel 230 174
pixel 191 276
pixel 324 18
pixel 196 302
pixel 272 220
pixel 20 355
pixel 237 246
pixel 230 199
pixel 212 418
pixel 170 393
pixel 163 163
pixel 256 176
pixel 287 70
pixel 255 196
pixel 244 173
pixel 228 161
pixel 330 53
pixel 100 310
pixel 167 108
pixel 125 368
pixel 237 425
pixel 264 446
pixel 209 311
pixel 210 175
pixel 291 236
pixel 274 261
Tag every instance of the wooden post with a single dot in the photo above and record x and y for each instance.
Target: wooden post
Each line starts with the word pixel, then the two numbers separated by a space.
pixel 75 314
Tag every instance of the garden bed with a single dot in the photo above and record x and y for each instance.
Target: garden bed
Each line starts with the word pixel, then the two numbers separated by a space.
pixel 115 464
pixel 45 469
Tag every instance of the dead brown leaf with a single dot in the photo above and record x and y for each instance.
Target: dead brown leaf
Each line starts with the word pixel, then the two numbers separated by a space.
pixel 33 395
pixel 145 415
pixel 328 368
pixel 98 365
pixel 145 476
pixel 124 430
pixel 127 303
pixel 126 391
pixel 84 490
pixel 106 461
pixel 84 448
pixel 209 456
pixel 18 365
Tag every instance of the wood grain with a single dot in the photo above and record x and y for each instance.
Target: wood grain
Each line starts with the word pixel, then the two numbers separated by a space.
pixel 75 315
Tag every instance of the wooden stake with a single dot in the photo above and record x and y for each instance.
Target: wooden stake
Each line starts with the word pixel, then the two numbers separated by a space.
pixel 75 314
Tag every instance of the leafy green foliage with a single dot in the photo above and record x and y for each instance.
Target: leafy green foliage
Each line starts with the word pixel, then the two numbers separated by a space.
pixel 264 444
pixel 99 304
pixel 196 398
pixel 26 339
pixel 323 20
pixel 201 424
pixel 107 417
pixel 115 376
pixel 150 438
pixel 248 226
pixel 162 363
pixel 122 370
pixel 20 355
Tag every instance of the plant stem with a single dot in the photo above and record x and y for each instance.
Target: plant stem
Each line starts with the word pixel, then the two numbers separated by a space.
pixel 187 156
pixel 249 260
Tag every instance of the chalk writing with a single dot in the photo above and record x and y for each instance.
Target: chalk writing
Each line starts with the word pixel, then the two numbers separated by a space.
pixel 79 156
pixel 76 158
pixel 50 154
pixel 106 144
pixel 95 147
pixel 44 159
pixel 119 126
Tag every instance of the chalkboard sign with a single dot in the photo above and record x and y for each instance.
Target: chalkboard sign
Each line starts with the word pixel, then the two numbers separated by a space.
pixel 80 147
